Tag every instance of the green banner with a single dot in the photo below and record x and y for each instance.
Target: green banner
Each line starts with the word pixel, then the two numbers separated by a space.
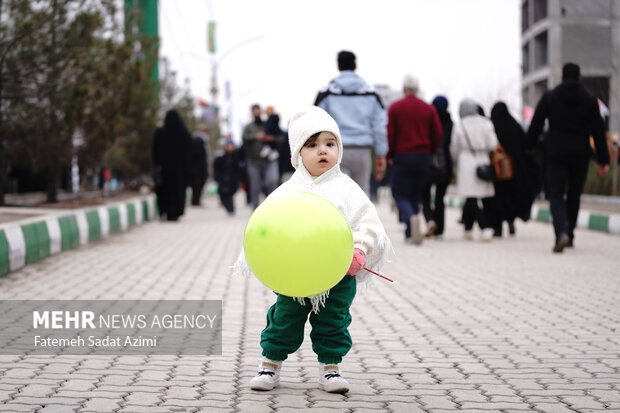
pixel 211 36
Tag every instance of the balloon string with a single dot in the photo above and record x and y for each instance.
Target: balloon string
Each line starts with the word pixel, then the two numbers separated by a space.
pixel 379 275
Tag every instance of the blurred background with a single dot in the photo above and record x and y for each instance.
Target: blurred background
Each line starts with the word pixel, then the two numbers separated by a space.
pixel 85 83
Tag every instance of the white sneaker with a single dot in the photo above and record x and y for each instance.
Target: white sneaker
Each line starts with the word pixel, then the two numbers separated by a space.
pixel 268 375
pixel 416 231
pixel 330 379
pixel 486 235
pixel 468 235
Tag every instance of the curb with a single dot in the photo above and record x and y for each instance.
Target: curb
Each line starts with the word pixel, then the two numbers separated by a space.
pixel 33 239
pixel 596 221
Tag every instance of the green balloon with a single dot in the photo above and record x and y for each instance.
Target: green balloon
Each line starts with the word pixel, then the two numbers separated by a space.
pixel 298 244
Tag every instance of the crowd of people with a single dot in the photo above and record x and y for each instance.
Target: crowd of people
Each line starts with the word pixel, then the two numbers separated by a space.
pixel 425 145
pixel 345 142
pixel 181 161
pixel 416 148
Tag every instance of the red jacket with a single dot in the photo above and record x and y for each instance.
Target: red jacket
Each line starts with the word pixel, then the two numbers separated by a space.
pixel 413 127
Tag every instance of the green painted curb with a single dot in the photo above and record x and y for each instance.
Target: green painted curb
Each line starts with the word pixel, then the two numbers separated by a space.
pixel 4 254
pixel 131 214
pixel 32 241
pixel 608 223
pixel 115 220
pixel 544 215
pixel 94 225
pixel 145 210
pixel 44 239
pixel 69 232
pixel 37 241
pixel 210 189
pixel 599 222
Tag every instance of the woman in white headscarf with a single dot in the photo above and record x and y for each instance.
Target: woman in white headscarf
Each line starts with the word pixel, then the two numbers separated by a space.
pixel 472 140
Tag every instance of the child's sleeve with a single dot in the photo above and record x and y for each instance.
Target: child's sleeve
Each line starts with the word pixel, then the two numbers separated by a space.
pixel 369 235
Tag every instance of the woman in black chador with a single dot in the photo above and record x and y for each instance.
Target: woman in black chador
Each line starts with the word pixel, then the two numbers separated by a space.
pixel 172 158
pixel 513 197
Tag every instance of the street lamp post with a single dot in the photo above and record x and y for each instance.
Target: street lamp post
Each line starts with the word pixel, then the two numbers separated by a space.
pixel 216 60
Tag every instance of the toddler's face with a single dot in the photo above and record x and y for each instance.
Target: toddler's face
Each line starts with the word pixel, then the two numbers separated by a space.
pixel 321 154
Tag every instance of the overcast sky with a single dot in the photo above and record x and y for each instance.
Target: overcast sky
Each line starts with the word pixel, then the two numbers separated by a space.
pixel 281 52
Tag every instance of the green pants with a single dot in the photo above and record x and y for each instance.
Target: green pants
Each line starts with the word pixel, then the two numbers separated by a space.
pixel 330 335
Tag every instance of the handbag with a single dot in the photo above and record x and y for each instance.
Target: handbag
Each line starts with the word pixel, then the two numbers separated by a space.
pixel 485 171
pixel 502 164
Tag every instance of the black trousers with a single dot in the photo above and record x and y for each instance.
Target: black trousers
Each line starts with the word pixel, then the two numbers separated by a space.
pixel 227 201
pixel 197 185
pixel 472 213
pixel 565 180
pixel 435 212
pixel 409 172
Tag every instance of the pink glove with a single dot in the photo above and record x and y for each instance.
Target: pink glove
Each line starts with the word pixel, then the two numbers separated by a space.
pixel 359 261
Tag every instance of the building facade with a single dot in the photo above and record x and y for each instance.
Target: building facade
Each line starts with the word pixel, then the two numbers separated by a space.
pixel 584 32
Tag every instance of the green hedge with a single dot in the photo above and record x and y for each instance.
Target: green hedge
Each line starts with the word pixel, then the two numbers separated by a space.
pixel 597 185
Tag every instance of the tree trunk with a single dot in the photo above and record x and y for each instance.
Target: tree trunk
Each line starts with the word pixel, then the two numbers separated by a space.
pixel 3 177
pixel 52 184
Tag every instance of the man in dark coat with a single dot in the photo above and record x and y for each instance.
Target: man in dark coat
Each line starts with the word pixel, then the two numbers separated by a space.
pixel 574 116
pixel 261 167
pixel 440 173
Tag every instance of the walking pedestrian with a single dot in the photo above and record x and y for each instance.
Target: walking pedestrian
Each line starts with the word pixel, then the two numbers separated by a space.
pixel 361 117
pixel 172 158
pixel 440 174
pixel 514 196
pixel 414 136
pixel 284 160
pixel 472 141
pixel 261 167
pixel 200 162
pixel 316 152
pixel 227 172
pixel 272 128
pixel 574 116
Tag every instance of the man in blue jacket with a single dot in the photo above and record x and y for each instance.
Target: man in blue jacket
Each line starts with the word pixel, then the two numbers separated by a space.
pixel 362 120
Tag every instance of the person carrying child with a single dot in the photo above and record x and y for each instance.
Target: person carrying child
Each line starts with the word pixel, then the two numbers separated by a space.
pixel 316 152
pixel 272 128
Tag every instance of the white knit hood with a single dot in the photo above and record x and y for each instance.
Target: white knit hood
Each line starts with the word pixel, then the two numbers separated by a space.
pixel 305 124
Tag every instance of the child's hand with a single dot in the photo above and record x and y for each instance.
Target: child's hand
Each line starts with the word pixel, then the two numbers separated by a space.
pixel 359 261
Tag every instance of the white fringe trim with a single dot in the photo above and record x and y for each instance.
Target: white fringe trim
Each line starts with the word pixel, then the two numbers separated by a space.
pixel 317 301
pixel 241 267
pixel 364 281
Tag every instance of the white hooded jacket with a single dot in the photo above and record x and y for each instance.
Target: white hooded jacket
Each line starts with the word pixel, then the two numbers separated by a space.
pixel 368 232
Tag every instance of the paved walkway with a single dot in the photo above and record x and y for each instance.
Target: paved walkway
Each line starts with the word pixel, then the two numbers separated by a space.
pixel 506 326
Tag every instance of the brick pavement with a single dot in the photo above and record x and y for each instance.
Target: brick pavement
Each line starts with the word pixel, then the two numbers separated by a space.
pixel 505 326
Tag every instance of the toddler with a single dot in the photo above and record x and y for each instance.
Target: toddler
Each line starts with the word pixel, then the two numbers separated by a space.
pixel 316 152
